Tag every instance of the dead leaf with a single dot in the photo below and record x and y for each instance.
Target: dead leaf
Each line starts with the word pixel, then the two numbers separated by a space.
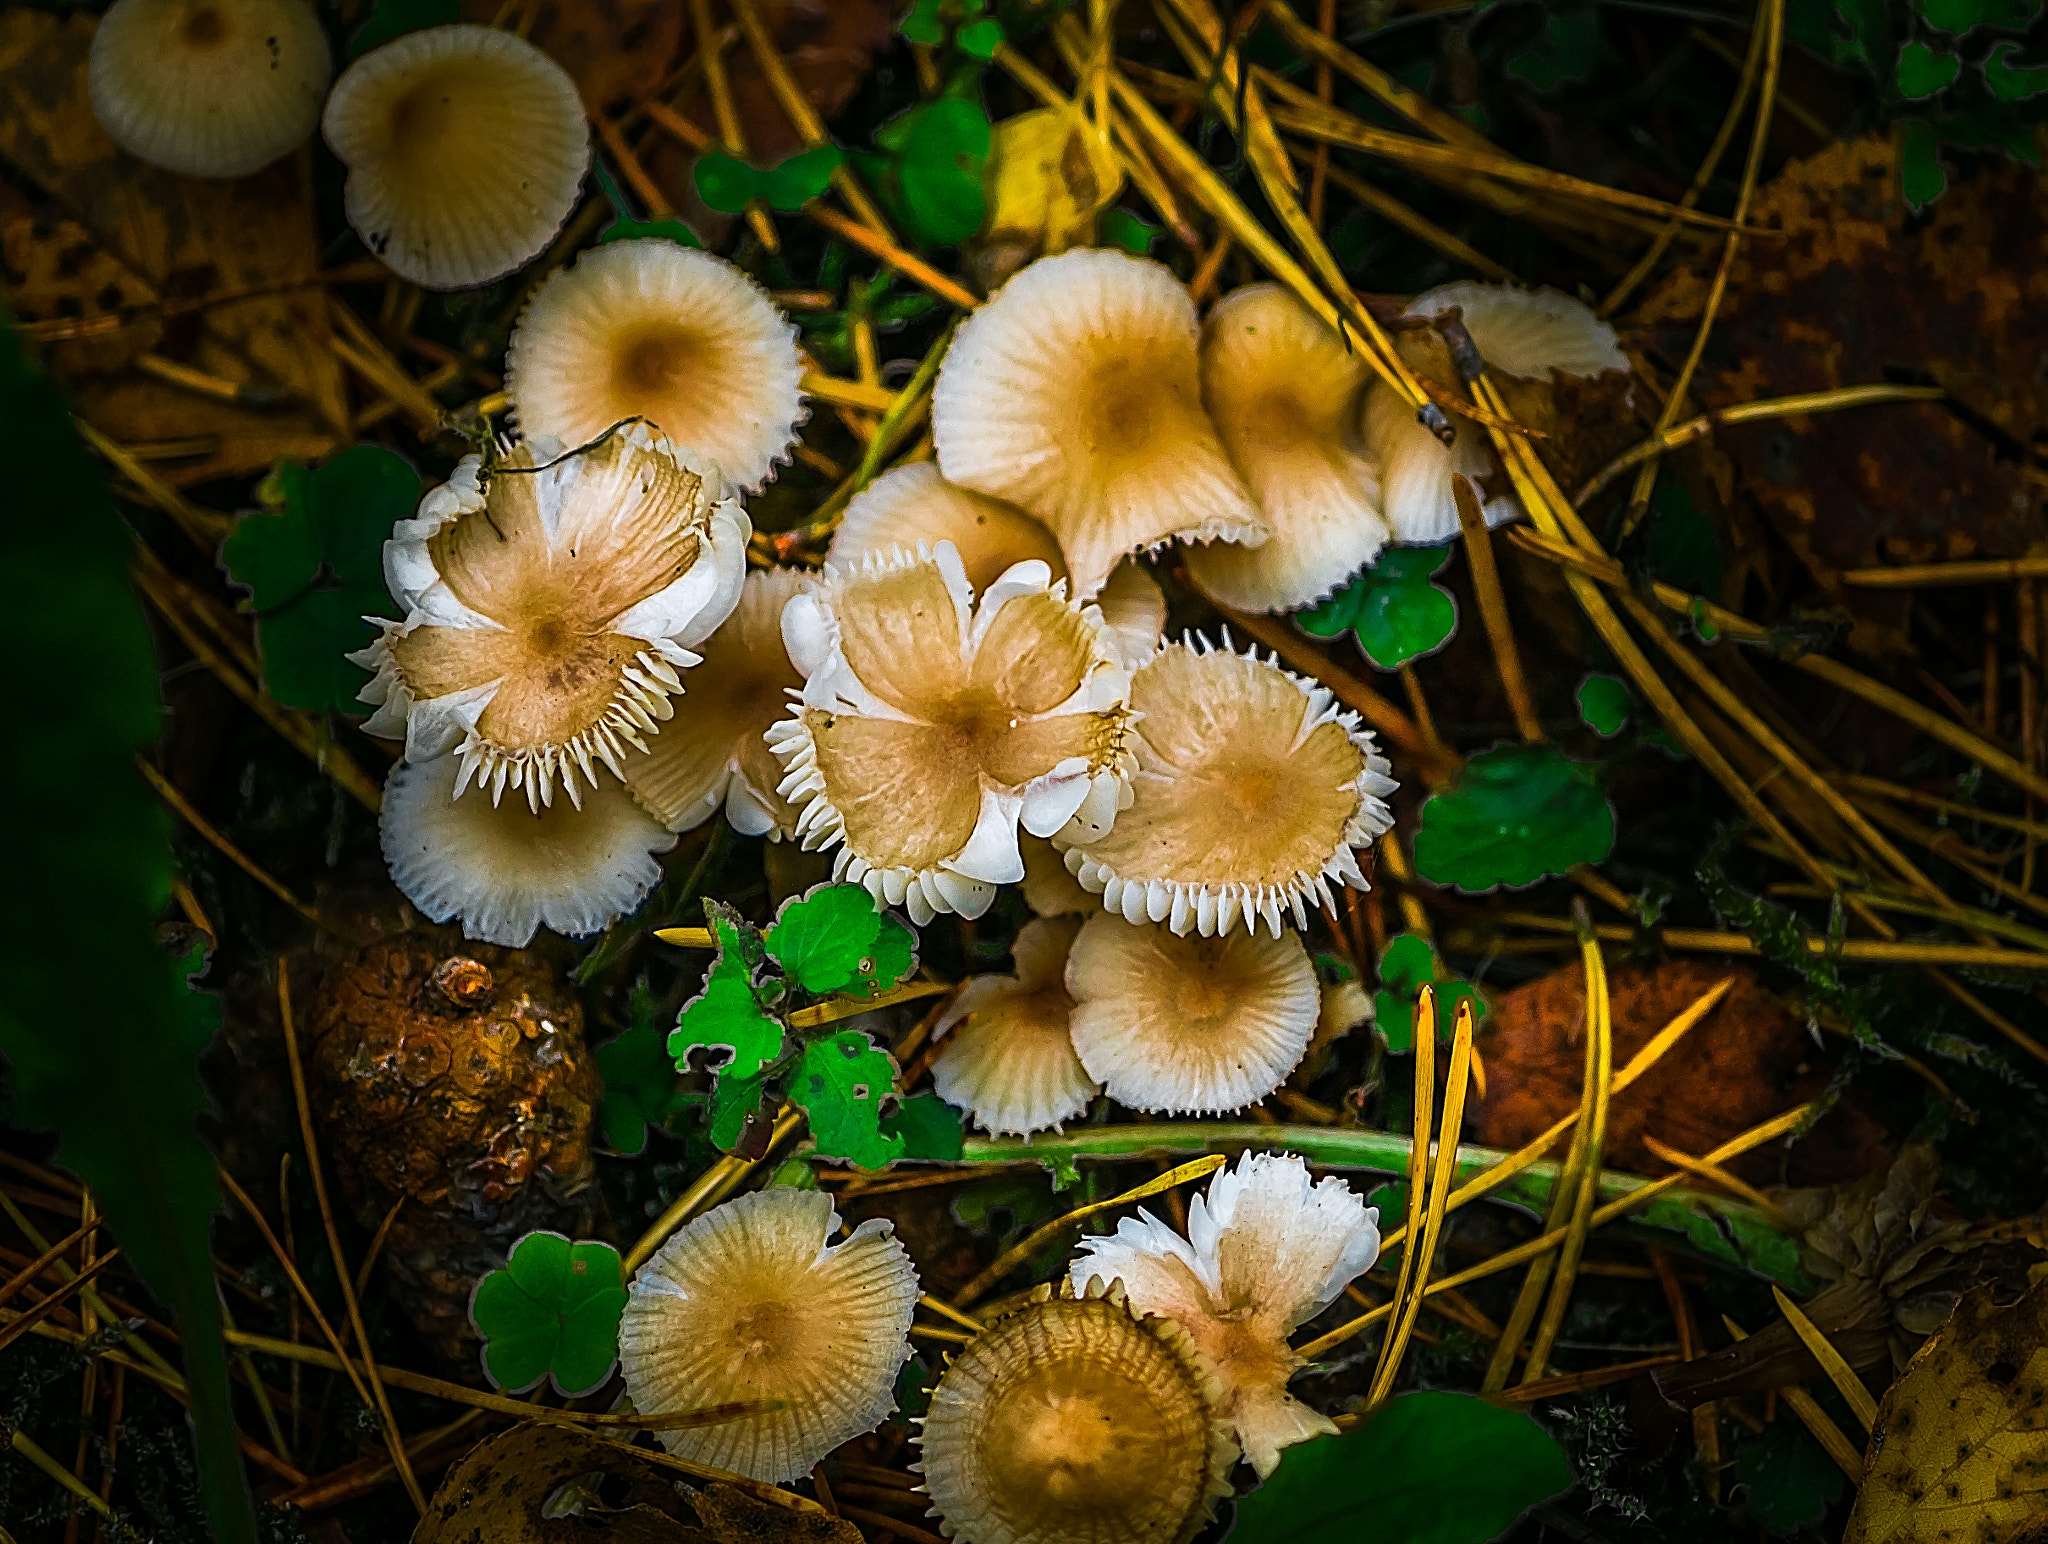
pixel 1960 1449
pixel 1049 175
pixel 56 272
pixel 498 1490
pixel 734 1517
pixel 617 51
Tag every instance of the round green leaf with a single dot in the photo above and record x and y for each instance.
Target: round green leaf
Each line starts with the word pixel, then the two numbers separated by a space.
pixel 1397 614
pixel 1921 178
pixel 928 1128
pixel 803 177
pixel 539 1266
pixel 1517 813
pixel 1605 705
pixel 939 170
pixel 841 1082
pixel 519 1331
pixel 1922 71
pixel 981 39
pixel 1407 965
pixel 727 184
pixel 821 939
pixel 1122 228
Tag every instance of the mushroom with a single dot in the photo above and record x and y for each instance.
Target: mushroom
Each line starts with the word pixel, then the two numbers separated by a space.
pixel 1529 333
pixel 931 727
pixel 1007 1055
pixel 713 750
pixel 1049 890
pixel 1075 1422
pixel 1251 789
pixel 504 870
pixel 209 88
pixel 465 149
pixel 548 604
pixel 1266 1252
pixel 752 1301
pixel 1075 395
pixel 1284 391
pixel 652 329
pixel 1172 1023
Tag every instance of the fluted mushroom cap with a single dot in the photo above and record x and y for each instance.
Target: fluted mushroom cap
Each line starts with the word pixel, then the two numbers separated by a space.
pixel 1007 1053
pixel 1075 394
pixel 209 88
pixel 1072 1422
pixel 465 149
pixel 1267 1250
pixel 752 1301
pixel 652 329
pixel 914 505
pixel 1284 392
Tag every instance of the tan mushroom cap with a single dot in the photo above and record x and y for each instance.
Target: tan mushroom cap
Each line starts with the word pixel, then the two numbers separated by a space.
pixel 1072 1422
pixel 1006 1054
pixel 504 870
pixel 1049 890
pixel 549 606
pixel 713 751
pixel 209 88
pixel 1284 392
pixel 652 329
pixel 914 505
pixel 465 149
pixel 751 1301
pixel 1075 394
pixel 1190 1024
pixel 1252 787
pixel 933 726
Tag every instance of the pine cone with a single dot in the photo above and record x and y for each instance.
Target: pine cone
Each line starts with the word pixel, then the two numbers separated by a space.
pixel 460 1082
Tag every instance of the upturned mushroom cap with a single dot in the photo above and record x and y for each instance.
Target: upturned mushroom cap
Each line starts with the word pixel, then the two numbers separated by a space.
pixel 549 604
pixel 1536 333
pixel 1266 1251
pixel 1190 1024
pixel 714 749
pixel 652 329
pixel 1007 1055
pixel 465 148
pixel 915 504
pixel 1073 1422
pixel 1284 392
pixel 932 727
pixel 504 870
pixel 1251 789
pixel 751 1301
pixel 209 88
pixel 1075 394
pixel 1049 890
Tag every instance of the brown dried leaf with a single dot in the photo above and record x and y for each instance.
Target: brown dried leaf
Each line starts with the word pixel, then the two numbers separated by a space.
pixel 497 1491
pixel 617 51
pixel 734 1517
pixel 56 272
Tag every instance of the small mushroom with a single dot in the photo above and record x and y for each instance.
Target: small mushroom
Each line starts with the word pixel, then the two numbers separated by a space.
pixel 931 727
pixel 752 1301
pixel 1076 1422
pixel 1266 1251
pixel 1284 391
pixel 1049 890
pixel 1252 787
pixel 714 750
pixel 1075 394
pixel 209 88
pixel 652 329
pixel 549 604
pixel 465 149
pixel 505 870
pixel 914 504
pixel 1194 1024
pixel 1007 1055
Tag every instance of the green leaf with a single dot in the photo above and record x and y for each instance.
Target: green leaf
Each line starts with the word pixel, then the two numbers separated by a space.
pixel 1922 71
pixel 930 173
pixel 841 1081
pixel 314 569
pixel 390 18
pixel 835 940
pixel 1407 965
pixel 639 1077
pixel 1921 178
pixel 1397 614
pixel 1569 49
pixel 928 1128
pixel 551 1311
pixel 726 1015
pixel 114 1070
pixel 981 39
pixel 1122 228
pixel 1962 15
pixel 1791 1480
pixel 1517 813
pixel 803 177
pixel 732 1101
pixel 924 23
pixel 623 229
pixel 2010 82
pixel 1680 547
pixel 726 183
pixel 1605 705
pixel 1430 1468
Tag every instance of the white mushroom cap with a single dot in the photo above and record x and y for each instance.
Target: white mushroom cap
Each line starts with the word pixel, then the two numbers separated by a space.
pixel 1252 787
pixel 1007 1055
pixel 1284 392
pixel 1535 333
pixel 752 1301
pixel 504 870
pixel 652 329
pixel 465 149
pixel 209 88
pixel 1267 1250
pixel 932 727
pixel 714 750
pixel 1075 395
pixel 1188 1023
pixel 915 504
pixel 1135 608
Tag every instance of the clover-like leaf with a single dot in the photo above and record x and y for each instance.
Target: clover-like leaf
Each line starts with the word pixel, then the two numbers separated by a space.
pixel 1605 705
pixel 834 939
pixel 1397 614
pixel 314 568
pixel 726 1015
pixel 728 184
pixel 843 1081
pixel 639 1077
pixel 551 1311
pixel 390 18
pixel 930 167
pixel 929 1128
pixel 1922 71
pixel 1408 964
pixel 980 39
pixel 1922 178
pixel 1517 813
pixel 1122 228
pixel 1961 15
pixel 2010 82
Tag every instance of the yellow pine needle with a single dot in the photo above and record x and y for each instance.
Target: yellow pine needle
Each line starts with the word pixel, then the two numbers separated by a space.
pixel 948 1311
pixel 1734 1184
pixel 851 1007
pixel 1839 1372
pixel 1423 1039
pixel 688 937
pixel 1493 609
pixel 1934 575
pixel 708 1188
pixel 1815 1420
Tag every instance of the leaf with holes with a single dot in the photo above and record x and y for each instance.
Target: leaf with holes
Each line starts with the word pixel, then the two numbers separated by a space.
pixel 835 939
pixel 551 1311
pixel 1392 607
pixel 843 1082
pixel 929 1128
pixel 726 1015
pixel 1517 813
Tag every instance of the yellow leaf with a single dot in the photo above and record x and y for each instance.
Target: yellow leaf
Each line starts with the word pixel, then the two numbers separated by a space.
pixel 1049 175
